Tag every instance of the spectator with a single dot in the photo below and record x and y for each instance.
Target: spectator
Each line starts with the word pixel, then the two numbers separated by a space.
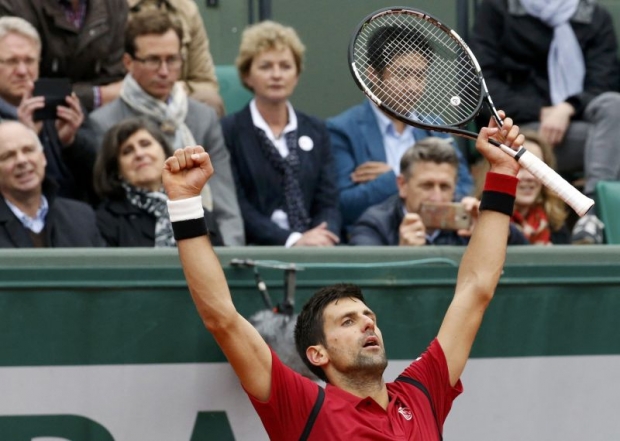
pixel 368 144
pixel 128 180
pixel 198 74
pixel 552 65
pixel 281 157
pixel 31 215
pixel 428 173
pixel 539 213
pixel 70 155
pixel 150 89
pixel 82 40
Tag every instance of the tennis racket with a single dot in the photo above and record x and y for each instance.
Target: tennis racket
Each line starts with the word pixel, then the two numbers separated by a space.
pixel 422 73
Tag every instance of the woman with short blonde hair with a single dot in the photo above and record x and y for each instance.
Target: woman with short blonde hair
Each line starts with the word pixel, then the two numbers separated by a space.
pixel 281 158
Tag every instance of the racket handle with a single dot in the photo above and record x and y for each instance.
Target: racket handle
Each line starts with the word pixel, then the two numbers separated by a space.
pixel 550 179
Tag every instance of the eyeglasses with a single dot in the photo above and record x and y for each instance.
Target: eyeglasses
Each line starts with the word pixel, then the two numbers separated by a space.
pixel 154 62
pixel 15 62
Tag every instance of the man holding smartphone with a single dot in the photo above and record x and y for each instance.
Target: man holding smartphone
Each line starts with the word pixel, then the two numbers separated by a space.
pixel 423 212
pixel 70 156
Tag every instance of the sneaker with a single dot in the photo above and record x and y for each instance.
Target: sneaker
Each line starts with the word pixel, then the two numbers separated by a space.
pixel 588 231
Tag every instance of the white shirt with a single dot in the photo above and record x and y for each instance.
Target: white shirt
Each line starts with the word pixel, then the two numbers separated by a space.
pixel 394 143
pixel 36 223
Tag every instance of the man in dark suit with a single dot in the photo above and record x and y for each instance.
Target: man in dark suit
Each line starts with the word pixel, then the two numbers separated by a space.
pixel 31 215
pixel 428 173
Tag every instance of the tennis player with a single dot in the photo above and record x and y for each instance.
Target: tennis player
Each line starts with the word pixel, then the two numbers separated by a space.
pixel 337 333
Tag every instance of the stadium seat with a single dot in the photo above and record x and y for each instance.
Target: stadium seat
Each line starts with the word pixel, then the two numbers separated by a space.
pixel 233 93
pixel 608 209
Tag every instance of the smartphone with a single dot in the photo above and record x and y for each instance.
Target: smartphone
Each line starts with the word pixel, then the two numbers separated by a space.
pixel 445 216
pixel 55 90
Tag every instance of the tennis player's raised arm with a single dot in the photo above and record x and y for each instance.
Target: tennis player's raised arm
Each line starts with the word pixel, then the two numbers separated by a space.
pixel 484 258
pixel 185 174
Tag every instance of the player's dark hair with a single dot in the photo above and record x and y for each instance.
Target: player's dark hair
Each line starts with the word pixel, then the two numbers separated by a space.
pixel 389 42
pixel 309 329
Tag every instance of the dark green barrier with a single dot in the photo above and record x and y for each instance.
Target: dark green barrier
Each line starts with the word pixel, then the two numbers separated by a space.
pixel 80 307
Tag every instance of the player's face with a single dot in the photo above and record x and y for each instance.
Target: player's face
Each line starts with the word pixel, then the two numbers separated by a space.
pixel 529 187
pixel 273 75
pixel 428 182
pixel 141 161
pixel 353 341
pixel 406 74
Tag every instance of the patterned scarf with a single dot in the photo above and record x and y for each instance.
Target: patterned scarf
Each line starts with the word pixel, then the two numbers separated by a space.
pixel 534 225
pixel 154 203
pixel 289 169
pixel 169 115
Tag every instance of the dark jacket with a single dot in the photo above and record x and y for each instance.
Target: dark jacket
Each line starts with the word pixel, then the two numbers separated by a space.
pixel 125 225
pixel 379 226
pixel 89 56
pixel 260 187
pixel 68 223
pixel 512 49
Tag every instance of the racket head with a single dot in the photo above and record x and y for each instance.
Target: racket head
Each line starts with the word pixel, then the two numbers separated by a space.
pixel 417 69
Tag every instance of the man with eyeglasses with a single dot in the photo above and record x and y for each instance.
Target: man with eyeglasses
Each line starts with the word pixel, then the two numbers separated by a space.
pixel 151 89
pixel 82 40
pixel 70 155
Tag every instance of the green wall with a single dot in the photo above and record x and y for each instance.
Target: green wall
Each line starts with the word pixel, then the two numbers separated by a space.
pixel 74 307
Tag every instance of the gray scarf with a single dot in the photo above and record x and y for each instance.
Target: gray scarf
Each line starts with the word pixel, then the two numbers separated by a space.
pixel 155 204
pixel 565 63
pixel 169 115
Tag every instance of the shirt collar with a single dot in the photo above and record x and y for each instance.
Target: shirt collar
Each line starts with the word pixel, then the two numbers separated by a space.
pixel 259 121
pixel 358 402
pixel 384 122
pixel 386 125
pixel 35 223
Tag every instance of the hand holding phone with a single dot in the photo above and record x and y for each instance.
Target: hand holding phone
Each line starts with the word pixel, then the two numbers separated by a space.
pixel 445 216
pixel 55 91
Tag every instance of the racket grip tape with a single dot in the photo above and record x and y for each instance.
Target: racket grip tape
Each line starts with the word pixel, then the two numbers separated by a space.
pixel 550 179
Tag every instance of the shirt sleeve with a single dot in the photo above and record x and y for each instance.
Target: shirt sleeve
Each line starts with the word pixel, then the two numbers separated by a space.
pixel 290 402
pixel 431 369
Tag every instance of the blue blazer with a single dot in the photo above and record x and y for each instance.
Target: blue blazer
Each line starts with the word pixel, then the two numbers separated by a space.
pixel 356 139
pixel 260 189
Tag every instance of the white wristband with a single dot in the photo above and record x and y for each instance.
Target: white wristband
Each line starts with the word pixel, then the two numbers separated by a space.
pixel 185 209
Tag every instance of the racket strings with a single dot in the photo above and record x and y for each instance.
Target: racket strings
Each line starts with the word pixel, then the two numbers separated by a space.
pixel 427 75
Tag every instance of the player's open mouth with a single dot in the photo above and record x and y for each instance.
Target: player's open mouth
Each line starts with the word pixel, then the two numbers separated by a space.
pixel 372 341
